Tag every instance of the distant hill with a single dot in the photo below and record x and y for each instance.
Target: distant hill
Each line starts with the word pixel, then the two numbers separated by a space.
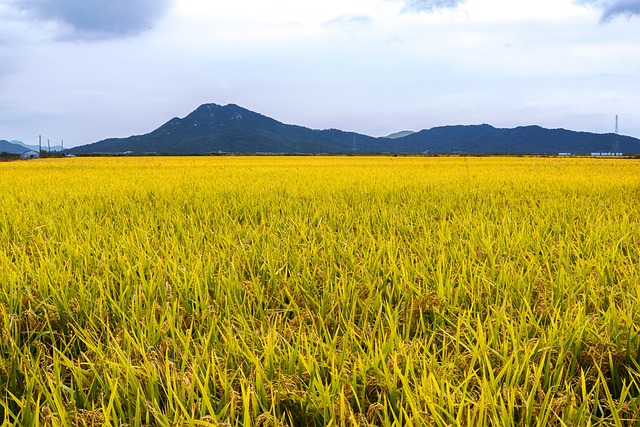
pixel 17 147
pixel 400 134
pixel 36 147
pixel 11 147
pixel 214 128
pixel 486 139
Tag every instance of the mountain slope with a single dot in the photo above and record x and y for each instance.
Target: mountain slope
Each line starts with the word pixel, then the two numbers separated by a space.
pixel 486 139
pixel 36 147
pixel 9 147
pixel 400 134
pixel 214 128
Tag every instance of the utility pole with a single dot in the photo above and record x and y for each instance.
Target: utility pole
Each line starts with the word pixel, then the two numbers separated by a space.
pixel 39 145
pixel 48 146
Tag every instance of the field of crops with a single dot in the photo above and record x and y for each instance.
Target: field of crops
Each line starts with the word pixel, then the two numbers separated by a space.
pixel 273 291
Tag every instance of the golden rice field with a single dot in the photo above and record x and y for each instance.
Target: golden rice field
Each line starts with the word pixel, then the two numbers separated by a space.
pixel 320 291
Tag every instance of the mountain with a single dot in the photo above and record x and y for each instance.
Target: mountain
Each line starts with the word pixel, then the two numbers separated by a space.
pixel 37 148
pixel 486 139
pixel 11 147
pixel 17 147
pixel 214 128
pixel 400 134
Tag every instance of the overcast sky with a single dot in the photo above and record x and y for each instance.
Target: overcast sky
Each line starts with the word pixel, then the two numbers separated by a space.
pixel 87 70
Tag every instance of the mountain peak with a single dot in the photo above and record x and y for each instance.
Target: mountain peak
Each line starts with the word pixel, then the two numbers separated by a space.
pixel 217 113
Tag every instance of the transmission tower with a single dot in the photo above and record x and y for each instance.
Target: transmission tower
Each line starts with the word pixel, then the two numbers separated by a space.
pixel 616 143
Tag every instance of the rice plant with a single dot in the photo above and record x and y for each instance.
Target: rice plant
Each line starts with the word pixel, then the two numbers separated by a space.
pixel 297 291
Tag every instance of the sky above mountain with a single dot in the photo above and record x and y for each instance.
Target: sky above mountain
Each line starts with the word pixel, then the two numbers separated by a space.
pixel 85 71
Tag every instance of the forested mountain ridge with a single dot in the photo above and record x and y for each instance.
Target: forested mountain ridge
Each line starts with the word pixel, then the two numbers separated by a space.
pixel 213 128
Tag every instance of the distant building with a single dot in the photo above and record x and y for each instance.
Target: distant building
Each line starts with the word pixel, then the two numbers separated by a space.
pixel 29 154
pixel 607 154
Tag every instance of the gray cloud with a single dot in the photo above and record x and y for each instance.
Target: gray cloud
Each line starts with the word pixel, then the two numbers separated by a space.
pixel 430 5
pixel 98 18
pixel 614 8
pixel 627 7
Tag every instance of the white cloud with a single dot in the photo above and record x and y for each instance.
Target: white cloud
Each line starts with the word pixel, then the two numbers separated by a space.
pixel 431 5
pixel 348 21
